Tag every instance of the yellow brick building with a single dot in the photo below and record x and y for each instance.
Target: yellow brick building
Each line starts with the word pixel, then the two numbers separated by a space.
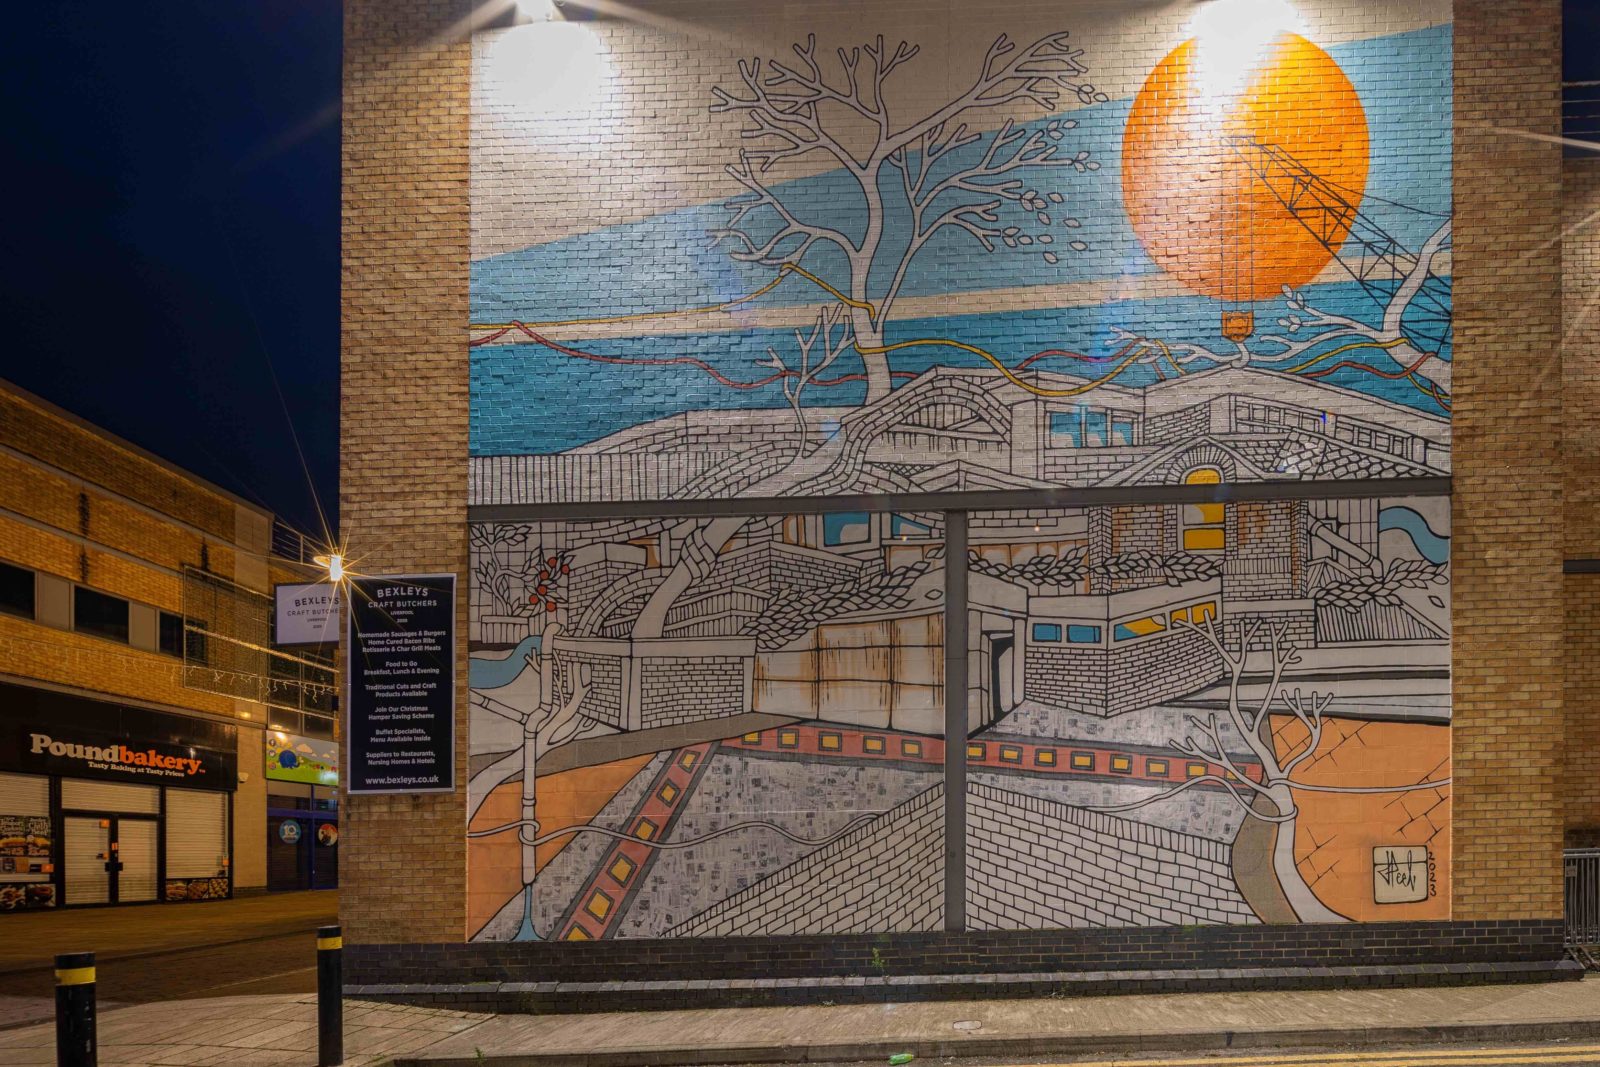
pixel 132 643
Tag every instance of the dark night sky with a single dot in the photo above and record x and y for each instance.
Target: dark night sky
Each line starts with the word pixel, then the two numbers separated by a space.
pixel 172 233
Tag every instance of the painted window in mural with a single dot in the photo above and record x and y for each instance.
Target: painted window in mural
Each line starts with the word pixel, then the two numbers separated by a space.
pixel 706 727
pixel 883 253
pixel 1274 748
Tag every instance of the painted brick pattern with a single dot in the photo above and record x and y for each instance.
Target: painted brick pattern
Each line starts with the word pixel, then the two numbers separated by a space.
pixel 886 876
pixel 689 688
pixel 1036 863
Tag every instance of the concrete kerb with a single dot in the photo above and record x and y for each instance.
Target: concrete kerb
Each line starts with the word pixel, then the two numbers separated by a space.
pixel 1053 1045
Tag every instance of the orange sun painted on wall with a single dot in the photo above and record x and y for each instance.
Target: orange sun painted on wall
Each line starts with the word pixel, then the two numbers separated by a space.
pixel 1194 186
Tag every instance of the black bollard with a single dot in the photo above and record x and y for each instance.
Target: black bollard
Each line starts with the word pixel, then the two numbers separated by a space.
pixel 330 997
pixel 75 1043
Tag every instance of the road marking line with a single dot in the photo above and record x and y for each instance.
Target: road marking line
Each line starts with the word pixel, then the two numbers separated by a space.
pixel 1461 1058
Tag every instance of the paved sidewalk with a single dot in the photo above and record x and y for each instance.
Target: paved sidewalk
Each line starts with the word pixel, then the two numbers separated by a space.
pixel 269 1031
pixel 279 1031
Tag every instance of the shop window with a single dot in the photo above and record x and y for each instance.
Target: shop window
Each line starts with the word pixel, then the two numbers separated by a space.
pixel 1130 629
pixel 1204 525
pixel 16 590
pixel 99 614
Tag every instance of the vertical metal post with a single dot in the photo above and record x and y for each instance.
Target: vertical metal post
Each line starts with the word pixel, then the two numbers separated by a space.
pixel 955 720
pixel 330 997
pixel 75 1036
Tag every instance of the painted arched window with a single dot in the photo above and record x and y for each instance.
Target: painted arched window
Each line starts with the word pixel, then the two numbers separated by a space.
pixel 1204 525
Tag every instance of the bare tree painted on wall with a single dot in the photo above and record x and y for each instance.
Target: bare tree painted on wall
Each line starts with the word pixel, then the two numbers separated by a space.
pixel 936 171
pixel 1272 798
pixel 1305 329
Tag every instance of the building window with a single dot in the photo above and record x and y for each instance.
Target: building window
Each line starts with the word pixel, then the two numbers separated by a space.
pixel 1204 525
pixel 16 590
pixel 1129 629
pixel 1075 633
pixel 1121 430
pixel 846 528
pixel 1082 427
pixel 1080 634
pixel 169 637
pixel 99 614
pixel 175 639
pixel 1199 614
pixel 1046 632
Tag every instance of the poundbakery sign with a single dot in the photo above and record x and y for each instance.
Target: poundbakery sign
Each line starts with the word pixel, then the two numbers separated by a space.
pixel 43 732
pixel 118 758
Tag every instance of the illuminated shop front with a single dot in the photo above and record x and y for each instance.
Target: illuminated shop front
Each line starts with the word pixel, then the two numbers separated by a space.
pixel 104 803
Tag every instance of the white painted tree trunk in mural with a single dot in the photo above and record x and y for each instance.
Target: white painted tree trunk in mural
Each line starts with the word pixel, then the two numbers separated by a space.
pixel 945 175
pixel 1272 798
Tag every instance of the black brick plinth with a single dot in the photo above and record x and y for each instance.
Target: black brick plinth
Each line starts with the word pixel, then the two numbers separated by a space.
pixel 673 973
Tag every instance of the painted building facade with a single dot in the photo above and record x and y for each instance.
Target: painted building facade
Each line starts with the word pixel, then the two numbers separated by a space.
pixel 921 470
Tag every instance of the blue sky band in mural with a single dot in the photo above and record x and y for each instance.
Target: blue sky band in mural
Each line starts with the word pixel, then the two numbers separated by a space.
pixel 1017 188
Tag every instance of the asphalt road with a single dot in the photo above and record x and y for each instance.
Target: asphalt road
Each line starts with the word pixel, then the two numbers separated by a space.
pixel 166 952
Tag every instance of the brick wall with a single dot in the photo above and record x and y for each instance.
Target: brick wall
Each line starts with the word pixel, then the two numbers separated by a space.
pixel 403 409
pixel 544 184
pixel 1580 426
pixel 1508 603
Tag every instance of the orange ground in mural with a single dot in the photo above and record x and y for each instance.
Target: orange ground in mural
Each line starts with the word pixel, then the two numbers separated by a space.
pixel 1196 203
pixel 494 864
pixel 1337 833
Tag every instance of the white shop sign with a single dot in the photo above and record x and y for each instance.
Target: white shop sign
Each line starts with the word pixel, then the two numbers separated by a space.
pixel 305 614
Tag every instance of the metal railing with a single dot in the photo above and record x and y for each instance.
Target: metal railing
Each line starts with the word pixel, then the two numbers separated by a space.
pixel 1581 870
pixel 1580 113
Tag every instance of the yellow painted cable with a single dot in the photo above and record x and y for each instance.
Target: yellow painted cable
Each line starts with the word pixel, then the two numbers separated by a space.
pixel 1001 367
pixel 1345 348
pixel 784 271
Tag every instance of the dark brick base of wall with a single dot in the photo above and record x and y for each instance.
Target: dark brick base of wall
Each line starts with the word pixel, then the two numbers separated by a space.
pixel 667 973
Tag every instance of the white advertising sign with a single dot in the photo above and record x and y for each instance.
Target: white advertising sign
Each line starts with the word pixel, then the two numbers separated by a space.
pixel 305 614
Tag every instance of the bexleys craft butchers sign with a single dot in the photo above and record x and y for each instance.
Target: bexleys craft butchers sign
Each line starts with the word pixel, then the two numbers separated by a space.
pixel 144 763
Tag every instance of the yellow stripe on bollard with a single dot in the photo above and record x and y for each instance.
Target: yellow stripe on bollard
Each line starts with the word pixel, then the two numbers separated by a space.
pixel 329 942
pixel 75 976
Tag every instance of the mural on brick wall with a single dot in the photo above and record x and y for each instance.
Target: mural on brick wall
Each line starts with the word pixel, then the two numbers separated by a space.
pixel 1211 713
pixel 704 727
pixel 857 258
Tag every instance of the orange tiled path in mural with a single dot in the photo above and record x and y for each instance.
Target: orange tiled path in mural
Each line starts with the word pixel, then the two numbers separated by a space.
pixel 598 905
pixel 1336 833
pixel 595 910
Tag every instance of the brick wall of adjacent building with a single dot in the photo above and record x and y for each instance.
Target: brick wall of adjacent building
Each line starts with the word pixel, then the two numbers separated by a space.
pixel 1580 443
pixel 1508 605
pixel 403 409
pixel 81 508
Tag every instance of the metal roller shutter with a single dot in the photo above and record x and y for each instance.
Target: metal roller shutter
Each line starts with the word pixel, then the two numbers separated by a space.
pixel 24 794
pixel 197 833
pixel 79 794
